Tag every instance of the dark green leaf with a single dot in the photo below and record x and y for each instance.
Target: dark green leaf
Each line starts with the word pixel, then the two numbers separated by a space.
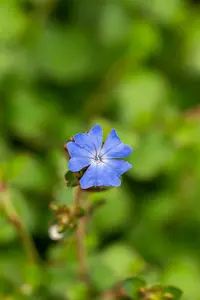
pixel 71 179
pixel 132 286
pixel 171 292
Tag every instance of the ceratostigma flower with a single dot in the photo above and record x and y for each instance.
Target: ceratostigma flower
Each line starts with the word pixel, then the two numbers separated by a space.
pixel 102 159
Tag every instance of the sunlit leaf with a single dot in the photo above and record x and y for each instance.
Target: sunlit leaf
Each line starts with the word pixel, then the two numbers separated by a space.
pixel 12 168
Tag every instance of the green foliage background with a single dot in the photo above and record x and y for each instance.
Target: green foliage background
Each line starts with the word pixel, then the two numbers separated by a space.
pixel 132 65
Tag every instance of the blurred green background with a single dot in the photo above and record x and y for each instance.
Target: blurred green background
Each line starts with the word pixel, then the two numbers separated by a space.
pixel 132 65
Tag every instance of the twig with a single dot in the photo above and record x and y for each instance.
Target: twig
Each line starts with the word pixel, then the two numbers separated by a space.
pixel 14 219
pixel 116 292
pixel 80 235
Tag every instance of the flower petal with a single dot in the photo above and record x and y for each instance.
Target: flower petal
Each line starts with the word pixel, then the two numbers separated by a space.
pixel 112 141
pixel 120 166
pixel 96 134
pixel 78 163
pixel 84 141
pixel 76 151
pixel 99 175
pixel 119 151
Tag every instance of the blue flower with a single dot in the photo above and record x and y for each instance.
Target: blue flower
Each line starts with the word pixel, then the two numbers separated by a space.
pixel 102 160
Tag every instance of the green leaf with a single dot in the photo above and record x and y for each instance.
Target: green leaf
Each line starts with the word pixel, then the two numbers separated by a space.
pixel 132 94
pixel 28 114
pixel 6 287
pixel 145 39
pixel 117 201
pixel 12 21
pixel 183 272
pixel 122 260
pixel 175 293
pixel 160 10
pixel 132 286
pixel 71 179
pixel 114 25
pixel 32 276
pixel 193 47
pixel 64 54
pixel 78 291
pixel 63 195
pixel 102 276
pixel 60 279
pixel 69 232
pixel 34 175
pixel 12 168
pixel 187 133
pixel 152 155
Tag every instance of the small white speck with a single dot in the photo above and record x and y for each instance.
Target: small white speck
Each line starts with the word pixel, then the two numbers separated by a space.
pixel 54 234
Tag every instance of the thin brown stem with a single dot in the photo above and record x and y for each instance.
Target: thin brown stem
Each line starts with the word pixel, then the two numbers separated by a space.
pixel 14 219
pixel 117 292
pixel 80 235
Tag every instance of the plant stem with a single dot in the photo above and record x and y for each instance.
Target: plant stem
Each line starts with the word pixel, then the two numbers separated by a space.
pixel 14 219
pixel 116 293
pixel 80 235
